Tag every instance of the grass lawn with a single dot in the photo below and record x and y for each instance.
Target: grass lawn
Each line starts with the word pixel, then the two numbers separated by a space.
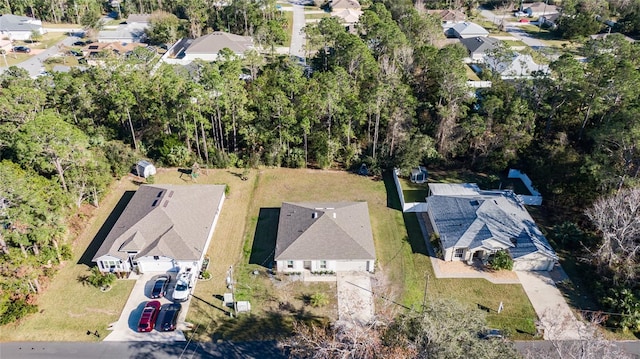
pixel 516 43
pixel 317 16
pixel 471 75
pixel 49 25
pixel 13 58
pixel 49 39
pixel 64 60
pixel 288 15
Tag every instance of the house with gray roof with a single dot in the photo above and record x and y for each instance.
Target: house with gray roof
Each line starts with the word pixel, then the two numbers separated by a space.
pixel 449 16
pixel 163 228
pixel 321 236
pixel 478 46
pixel 473 224
pixel 344 4
pixel 207 47
pixel 19 27
pixel 466 30
pixel 515 66
pixel 539 8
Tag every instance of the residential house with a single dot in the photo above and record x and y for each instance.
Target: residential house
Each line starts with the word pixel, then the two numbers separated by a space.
pixel 539 8
pixel 163 228
pixel 16 27
pixel 605 35
pixel 466 30
pixel 479 46
pixel 549 20
pixel 207 47
pixel 97 51
pixel 516 66
pixel 337 5
pixel 348 17
pixel 449 17
pixel 332 236
pixel 474 224
pixel 131 31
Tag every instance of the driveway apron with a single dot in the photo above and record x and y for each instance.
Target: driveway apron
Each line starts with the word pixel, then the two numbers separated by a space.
pixel 355 299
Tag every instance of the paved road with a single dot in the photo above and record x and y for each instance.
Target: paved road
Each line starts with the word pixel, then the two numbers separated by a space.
pixel 298 37
pixel 34 65
pixel 149 350
pixel 512 28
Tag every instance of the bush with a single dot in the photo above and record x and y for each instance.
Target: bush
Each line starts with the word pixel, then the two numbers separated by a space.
pixel 65 252
pixel 15 310
pixel 100 280
pixel 501 260
pixel 206 275
pixel 318 300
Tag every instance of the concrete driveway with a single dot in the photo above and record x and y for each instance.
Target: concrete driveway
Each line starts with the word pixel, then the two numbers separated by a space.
pixel 556 317
pixel 355 298
pixel 298 37
pixel 125 329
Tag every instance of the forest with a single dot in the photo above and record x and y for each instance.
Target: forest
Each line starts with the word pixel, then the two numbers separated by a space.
pixel 386 96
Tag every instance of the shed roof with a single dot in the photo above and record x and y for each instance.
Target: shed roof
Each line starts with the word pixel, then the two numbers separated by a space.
pixel 165 220
pixel 330 231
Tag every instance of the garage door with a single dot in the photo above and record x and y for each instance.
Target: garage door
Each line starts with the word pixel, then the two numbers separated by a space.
pixel 532 264
pixel 351 266
pixel 161 265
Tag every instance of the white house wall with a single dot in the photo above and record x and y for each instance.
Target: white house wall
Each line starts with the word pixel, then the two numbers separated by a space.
pixel 204 57
pixel 335 266
pixel 533 262
pixel 347 266
pixel 150 264
pixel 104 264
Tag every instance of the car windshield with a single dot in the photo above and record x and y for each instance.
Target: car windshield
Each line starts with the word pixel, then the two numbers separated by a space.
pixel 181 287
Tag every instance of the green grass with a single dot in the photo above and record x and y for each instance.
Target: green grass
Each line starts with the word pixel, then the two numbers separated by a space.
pixel 513 43
pixel 60 60
pixel 49 39
pixel 471 76
pixel 13 58
pixel 289 16
pixel 48 25
pixel 317 16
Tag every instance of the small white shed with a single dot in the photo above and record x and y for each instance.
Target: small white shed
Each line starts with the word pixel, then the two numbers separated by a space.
pixel 145 169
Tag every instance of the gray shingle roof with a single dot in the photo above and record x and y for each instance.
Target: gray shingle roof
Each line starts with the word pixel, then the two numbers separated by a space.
pixel 475 220
pixel 216 41
pixel 325 231
pixel 9 22
pixel 470 28
pixel 165 220
pixel 479 44
pixel 345 4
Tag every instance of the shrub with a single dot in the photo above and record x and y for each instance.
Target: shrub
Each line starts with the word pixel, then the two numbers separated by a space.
pixel 99 280
pixel 15 310
pixel 318 300
pixel 501 260
pixel 206 275
pixel 65 252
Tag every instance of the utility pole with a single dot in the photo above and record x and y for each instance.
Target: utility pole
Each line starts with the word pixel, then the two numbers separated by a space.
pixel 426 287
pixel 231 285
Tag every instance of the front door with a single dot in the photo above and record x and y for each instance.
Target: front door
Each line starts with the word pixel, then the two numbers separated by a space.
pixel 307 265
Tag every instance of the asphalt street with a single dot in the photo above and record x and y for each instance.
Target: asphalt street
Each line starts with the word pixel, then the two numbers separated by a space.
pixel 147 350
pixel 297 36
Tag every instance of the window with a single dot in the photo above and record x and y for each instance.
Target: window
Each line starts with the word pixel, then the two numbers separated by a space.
pixel 459 252
pixel 323 264
pixel 289 264
pixel 156 257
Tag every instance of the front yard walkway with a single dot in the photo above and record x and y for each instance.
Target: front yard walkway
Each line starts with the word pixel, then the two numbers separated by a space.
pixel 355 298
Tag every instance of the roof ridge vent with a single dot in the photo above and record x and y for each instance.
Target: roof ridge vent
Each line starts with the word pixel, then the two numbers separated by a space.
pixel 314 215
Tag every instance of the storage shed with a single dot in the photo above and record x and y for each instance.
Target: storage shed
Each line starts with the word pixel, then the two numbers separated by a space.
pixel 145 169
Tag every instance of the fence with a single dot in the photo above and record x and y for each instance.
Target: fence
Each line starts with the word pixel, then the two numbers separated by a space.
pixel 411 206
pixel 535 199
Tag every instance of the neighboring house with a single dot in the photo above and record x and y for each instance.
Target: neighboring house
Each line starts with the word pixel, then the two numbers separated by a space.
pixel 95 52
pixel 448 16
pixel 516 66
pixel 163 228
pixel 539 8
pixel 207 47
pixel 419 175
pixel 337 5
pixel 478 47
pixel 466 30
pixel 132 30
pixel 324 237
pixel 549 20
pixel 605 35
pixel 473 224
pixel 348 17
pixel 19 27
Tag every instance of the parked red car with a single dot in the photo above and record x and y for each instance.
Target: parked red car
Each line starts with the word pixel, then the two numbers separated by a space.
pixel 149 315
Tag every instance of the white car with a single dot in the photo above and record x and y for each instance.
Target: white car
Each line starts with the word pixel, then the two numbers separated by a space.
pixel 183 287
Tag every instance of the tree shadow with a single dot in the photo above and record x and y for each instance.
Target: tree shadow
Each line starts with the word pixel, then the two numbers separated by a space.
pixel 227 350
pixel 270 325
pixel 393 201
pixel 97 241
pixel 264 239
pixel 415 237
